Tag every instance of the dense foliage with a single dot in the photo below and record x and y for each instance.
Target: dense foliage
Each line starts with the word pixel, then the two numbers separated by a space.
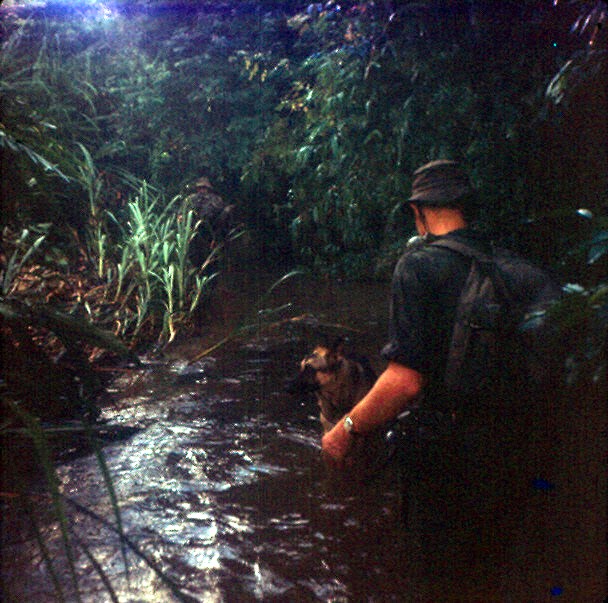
pixel 308 118
pixel 311 121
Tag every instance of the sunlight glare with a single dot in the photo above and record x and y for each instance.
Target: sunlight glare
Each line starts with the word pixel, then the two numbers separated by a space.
pixel 105 10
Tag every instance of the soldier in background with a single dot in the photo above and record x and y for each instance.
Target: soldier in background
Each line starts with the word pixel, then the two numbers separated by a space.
pixel 217 217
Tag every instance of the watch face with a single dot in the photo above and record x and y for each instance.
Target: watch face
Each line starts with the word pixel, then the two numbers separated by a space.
pixel 348 424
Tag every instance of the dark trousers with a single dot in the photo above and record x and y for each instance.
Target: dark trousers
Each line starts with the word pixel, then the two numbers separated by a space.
pixel 460 494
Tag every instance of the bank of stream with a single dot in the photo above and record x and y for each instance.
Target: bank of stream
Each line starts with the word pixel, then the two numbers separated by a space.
pixel 224 497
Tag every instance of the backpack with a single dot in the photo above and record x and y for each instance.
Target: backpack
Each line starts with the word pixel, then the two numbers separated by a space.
pixel 494 341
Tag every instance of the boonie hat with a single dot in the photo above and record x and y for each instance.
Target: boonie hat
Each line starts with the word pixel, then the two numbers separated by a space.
pixel 203 182
pixel 440 183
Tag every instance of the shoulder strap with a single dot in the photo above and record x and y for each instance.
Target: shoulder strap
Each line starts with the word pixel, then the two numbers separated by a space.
pixel 463 249
pixel 491 267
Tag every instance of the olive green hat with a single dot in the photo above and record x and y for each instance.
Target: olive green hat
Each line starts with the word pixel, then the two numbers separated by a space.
pixel 440 183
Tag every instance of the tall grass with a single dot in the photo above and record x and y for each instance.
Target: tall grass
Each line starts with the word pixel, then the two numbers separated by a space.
pixel 24 249
pixel 153 279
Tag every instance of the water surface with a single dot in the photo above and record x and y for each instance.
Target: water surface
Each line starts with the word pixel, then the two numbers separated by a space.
pixel 222 488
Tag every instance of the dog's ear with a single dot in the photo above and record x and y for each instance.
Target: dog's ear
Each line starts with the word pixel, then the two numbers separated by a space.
pixel 337 347
pixel 335 353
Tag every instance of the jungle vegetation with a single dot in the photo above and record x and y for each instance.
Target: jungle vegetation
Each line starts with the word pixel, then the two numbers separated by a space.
pixel 307 119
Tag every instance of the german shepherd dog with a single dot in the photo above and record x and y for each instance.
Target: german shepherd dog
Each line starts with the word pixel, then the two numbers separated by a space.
pixel 338 380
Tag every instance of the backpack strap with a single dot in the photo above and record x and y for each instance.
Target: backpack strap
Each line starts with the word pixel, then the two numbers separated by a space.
pixel 488 262
pixel 485 259
pixel 463 249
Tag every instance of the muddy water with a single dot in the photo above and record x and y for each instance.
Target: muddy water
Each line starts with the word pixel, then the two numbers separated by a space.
pixel 224 497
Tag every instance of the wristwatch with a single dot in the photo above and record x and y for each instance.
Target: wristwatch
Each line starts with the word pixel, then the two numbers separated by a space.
pixel 349 426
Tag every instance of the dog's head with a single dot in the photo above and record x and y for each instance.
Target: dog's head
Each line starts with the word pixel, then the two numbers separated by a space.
pixel 316 369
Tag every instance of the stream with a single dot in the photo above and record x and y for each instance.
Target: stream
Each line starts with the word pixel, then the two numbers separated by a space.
pixel 223 494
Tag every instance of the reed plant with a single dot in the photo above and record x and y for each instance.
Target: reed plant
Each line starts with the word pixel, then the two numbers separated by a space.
pixel 155 281
pixel 71 543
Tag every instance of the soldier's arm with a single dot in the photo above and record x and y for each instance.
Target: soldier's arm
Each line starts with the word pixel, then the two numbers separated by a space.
pixel 396 388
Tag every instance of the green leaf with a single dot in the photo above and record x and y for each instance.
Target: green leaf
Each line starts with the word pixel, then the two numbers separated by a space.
pixel 598 247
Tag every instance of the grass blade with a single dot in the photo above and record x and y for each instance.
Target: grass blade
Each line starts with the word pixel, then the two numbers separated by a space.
pixel 171 584
pixel 43 451
pixel 43 549
pixel 107 478
pixel 97 567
